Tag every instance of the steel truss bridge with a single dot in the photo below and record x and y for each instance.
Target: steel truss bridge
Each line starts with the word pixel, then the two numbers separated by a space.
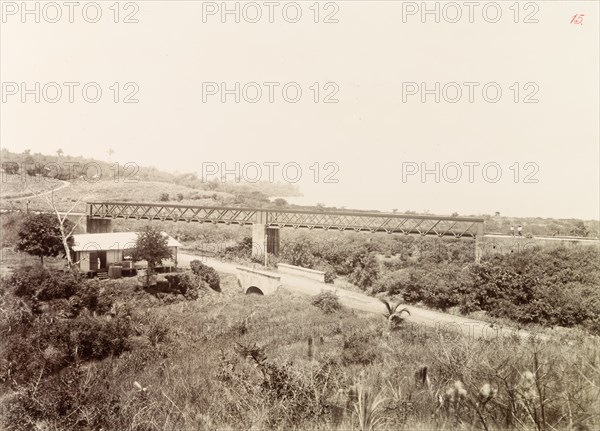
pixel 408 224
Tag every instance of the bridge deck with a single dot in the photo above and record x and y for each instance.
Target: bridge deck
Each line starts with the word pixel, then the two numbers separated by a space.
pixel 337 220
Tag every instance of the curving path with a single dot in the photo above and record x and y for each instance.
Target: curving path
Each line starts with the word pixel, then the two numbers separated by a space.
pixel 37 195
pixel 427 320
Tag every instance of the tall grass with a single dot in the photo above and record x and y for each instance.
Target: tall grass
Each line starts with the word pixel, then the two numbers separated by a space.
pixel 197 377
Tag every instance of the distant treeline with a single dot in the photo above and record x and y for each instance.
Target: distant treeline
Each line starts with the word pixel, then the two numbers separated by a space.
pixel 70 168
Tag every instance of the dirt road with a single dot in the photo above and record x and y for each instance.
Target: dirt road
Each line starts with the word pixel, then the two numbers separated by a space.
pixel 37 195
pixel 426 320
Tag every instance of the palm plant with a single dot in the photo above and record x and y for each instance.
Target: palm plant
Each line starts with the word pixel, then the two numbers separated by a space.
pixel 369 409
pixel 393 314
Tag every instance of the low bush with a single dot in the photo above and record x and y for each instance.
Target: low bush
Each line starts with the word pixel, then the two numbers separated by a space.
pixel 329 271
pixel 207 274
pixel 95 296
pixel 44 284
pixel 327 301
pixel 359 347
pixel 242 250
pixel 187 284
pixel 393 283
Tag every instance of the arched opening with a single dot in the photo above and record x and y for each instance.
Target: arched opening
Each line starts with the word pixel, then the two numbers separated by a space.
pixel 254 290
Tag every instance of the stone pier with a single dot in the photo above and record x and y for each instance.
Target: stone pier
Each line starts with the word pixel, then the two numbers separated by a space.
pixel 93 225
pixel 264 237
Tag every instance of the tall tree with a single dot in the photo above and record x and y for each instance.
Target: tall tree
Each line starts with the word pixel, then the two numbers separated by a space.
pixel 152 246
pixel 65 226
pixel 40 235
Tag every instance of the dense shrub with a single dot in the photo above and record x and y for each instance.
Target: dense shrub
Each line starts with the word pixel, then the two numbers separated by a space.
pixel 547 287
pixel 307 254
pixel 366 270
pixel 26 281
pixel 344 252
pixel 186 283
pixel 14 312
pixel 94 296
pixel 440 286
pixel 43 283
pixel 242 250
pixel 393 283
pixel 327 301
pixel 292 398
pixel 74 398
pixel 52 345
pixel 330 274
pixel 94 338
pixel 359 347
pixel 299 253
pixel 207 274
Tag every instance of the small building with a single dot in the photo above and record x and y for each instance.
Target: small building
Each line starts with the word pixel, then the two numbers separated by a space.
pixel 95 252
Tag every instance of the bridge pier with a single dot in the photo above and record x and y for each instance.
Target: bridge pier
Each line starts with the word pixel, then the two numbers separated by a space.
pixel 264 237
pixel 93 225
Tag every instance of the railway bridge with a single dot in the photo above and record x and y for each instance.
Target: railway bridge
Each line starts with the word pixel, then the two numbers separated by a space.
pixel 267 222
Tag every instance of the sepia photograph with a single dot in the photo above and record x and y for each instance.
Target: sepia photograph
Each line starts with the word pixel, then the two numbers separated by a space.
pixel 307 215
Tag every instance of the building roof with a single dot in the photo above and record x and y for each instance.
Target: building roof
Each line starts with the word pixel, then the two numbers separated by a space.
pixel 112 241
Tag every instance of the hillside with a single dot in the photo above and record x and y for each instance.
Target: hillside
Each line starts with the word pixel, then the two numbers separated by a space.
pixel 39 173
pixel 24 174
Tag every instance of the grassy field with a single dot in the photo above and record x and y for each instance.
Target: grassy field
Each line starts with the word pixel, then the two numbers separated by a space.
pixel 15 186
pixel 232 361
pixel 142 191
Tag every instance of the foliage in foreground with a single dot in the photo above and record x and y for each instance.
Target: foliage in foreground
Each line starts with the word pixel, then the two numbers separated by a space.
pixel 189 366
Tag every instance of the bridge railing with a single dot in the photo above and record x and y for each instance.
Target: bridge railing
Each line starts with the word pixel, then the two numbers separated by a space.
pixel 337 220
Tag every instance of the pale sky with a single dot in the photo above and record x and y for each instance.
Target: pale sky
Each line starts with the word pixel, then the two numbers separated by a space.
pixel 371 134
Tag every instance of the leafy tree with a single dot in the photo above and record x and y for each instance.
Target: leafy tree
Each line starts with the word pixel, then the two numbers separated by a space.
pixel 580 229
pixel 40 235
pixel 10 168
pixel 280 202
pixel 366 270
pixel 151 246
pixel 213 185
pixel 164 197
